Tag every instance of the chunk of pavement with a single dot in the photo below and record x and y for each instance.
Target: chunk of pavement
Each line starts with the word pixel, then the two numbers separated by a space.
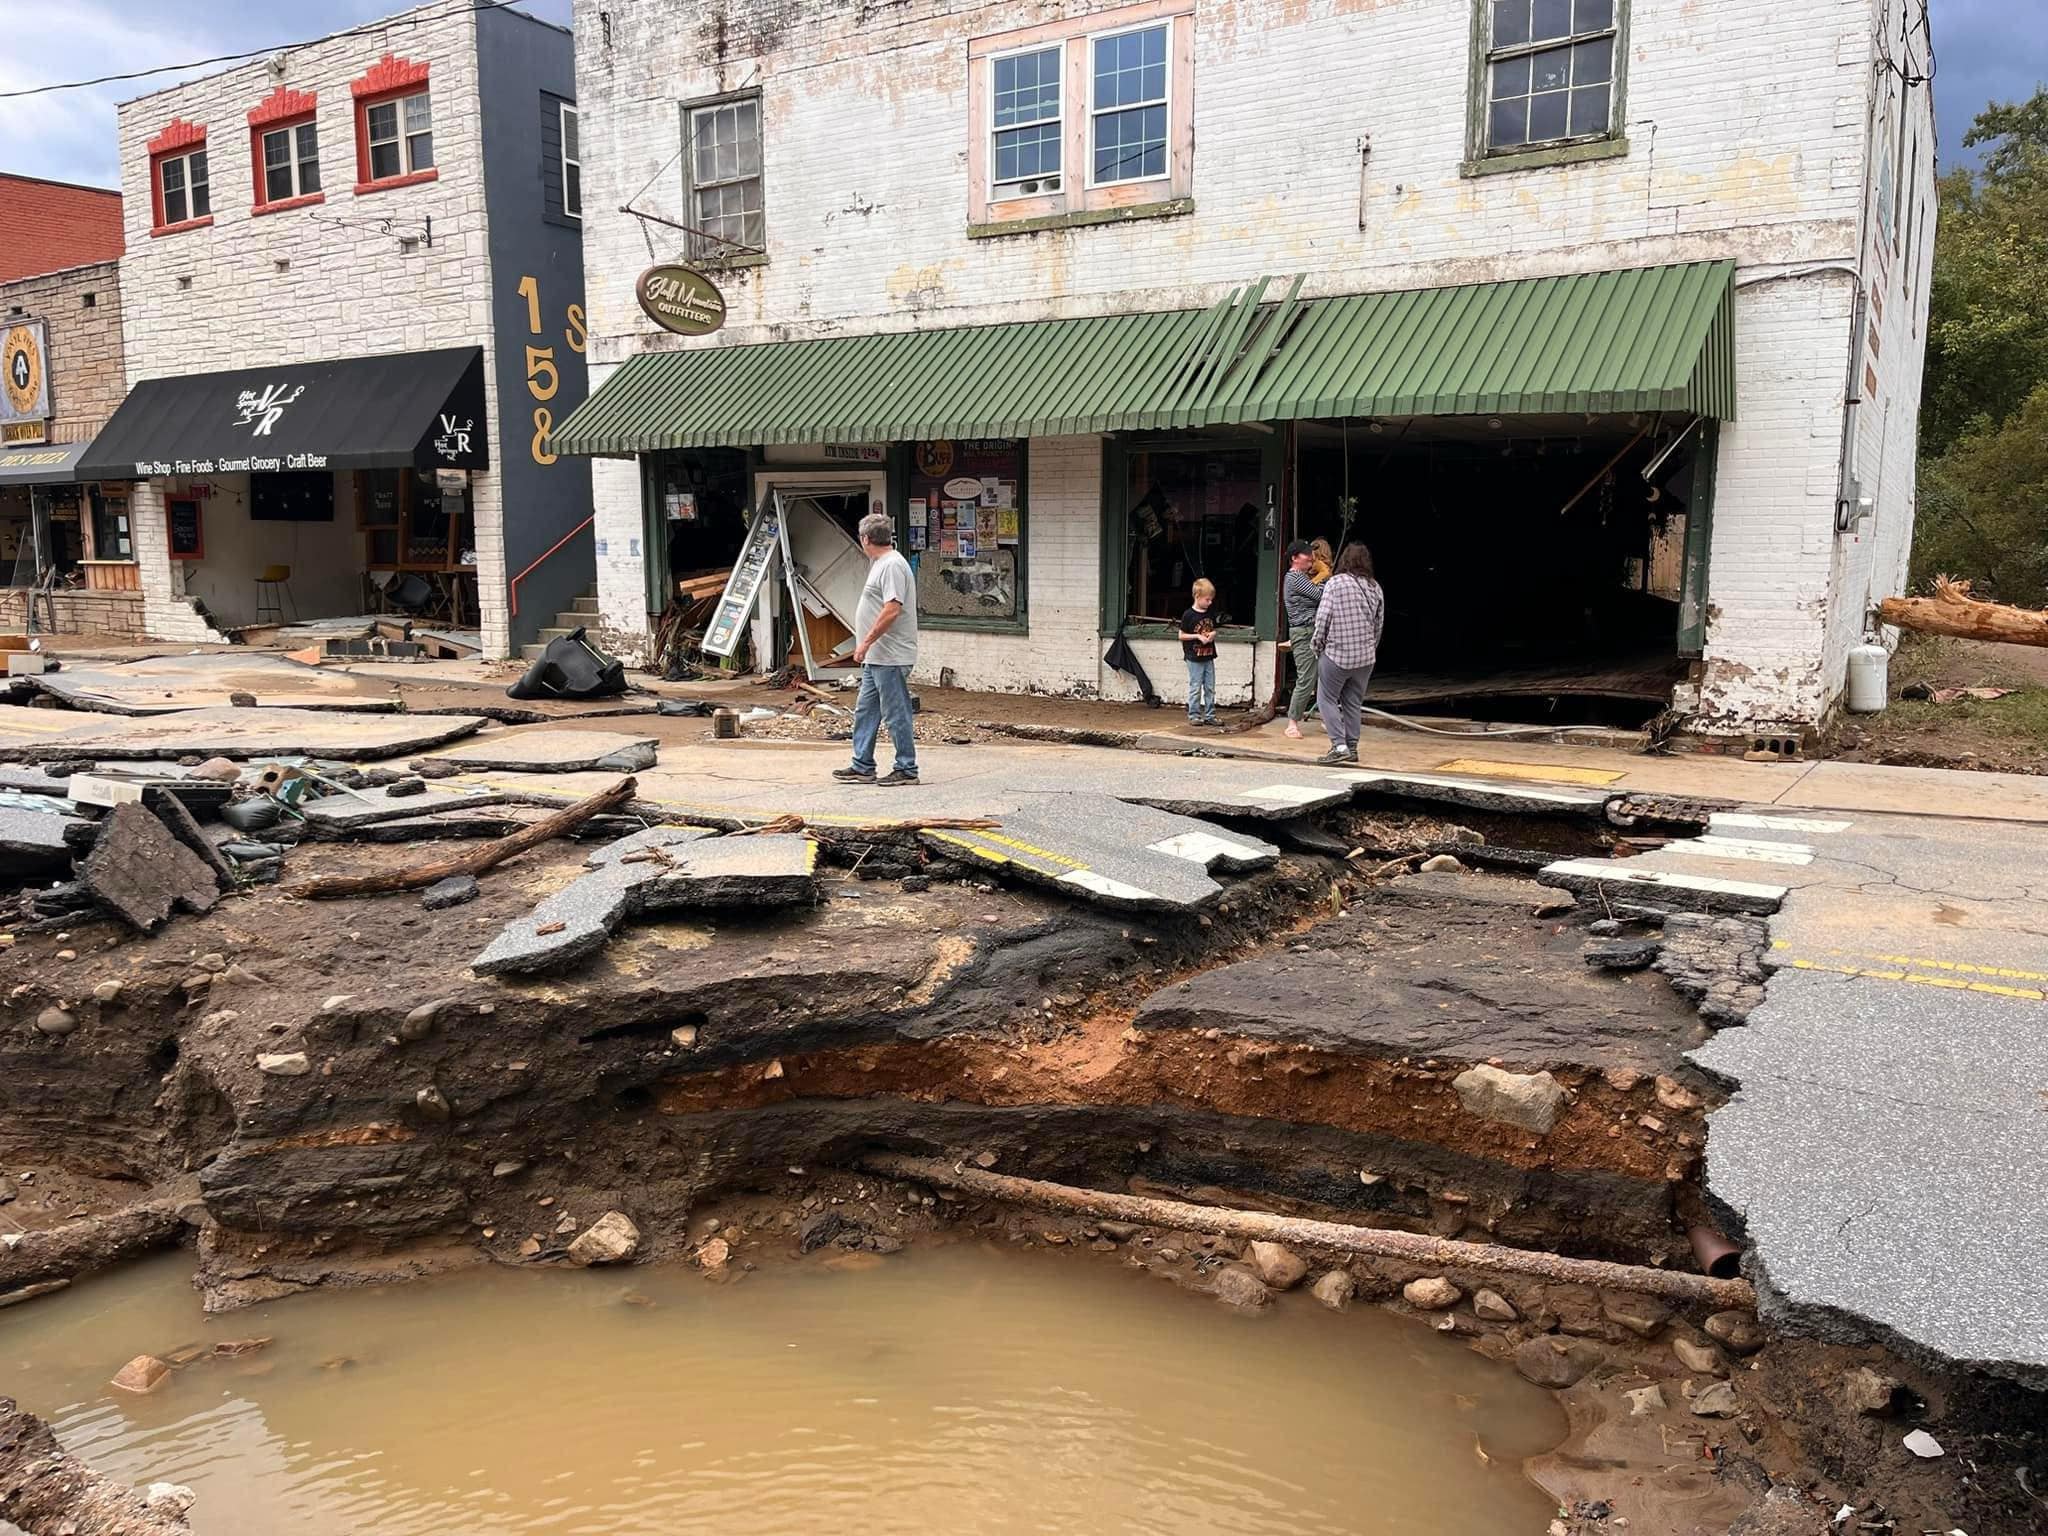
pixel 1530 1100
pixel 1236 1286
pixel 611 1239
pixel 141 873
pixel 1554 1362
pixel 1716 1400
pixel 56 1022
pixel 1442 864
pixel 1431 1294
pixel 1494 1307
pixel 1624 954
pixel 1738 1330
pixel 339 816
pixel 32 842
pixel 659 869
pixel 145 1373
pixel 178 821
pixel 1644 1400
pixel 1276 1265
pixel 1604 928
pixel 452 892
pixel 1866 1391
pixel 1335 1290
pixel 553 751
pixel 1923 1445
pixel 1639 1314
pixel 283 1063
pixel 1700 1359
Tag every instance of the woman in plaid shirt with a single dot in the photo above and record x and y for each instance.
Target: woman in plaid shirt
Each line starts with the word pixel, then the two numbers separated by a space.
pixel 1347 641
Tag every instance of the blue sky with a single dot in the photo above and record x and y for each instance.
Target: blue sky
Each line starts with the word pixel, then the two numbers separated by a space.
pixel 1989 50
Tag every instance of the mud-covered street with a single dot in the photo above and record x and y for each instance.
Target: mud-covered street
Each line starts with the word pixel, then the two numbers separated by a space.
pixel 1430 1039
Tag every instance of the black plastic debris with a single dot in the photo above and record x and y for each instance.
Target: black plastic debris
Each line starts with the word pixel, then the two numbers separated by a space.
pixel 571 668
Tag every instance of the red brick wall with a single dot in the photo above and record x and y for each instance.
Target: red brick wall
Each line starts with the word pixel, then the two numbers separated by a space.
pixel 46 226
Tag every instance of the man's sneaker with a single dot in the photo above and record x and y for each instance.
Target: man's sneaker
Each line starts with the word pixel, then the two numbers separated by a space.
pixel 897 776
pixel 1339 755
pixel 853 776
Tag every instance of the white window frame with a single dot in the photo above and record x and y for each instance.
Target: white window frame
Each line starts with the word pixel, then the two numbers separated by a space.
pixel 1165 25
pixel 403 138
pixel 568 111
pixel 294 161
pixel 720 248
pixel 184 160
pixel 1006 191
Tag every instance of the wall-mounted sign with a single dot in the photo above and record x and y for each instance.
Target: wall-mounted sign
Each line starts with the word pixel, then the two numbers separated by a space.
pixel 452 479
pixel 856 453
pixel 25 383
pixel 681 299
pixel 188 541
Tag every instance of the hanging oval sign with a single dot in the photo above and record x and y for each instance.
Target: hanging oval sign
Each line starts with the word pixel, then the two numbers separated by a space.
pixel 681 299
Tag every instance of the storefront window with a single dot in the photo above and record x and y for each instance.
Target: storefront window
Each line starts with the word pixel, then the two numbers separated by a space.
pixel 965 530
pixel 112 537
pixel 1194 512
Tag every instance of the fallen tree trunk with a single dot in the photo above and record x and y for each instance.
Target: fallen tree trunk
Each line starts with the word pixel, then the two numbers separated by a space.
pixel 475 862
pixel 62 1253
pixel 791 822
pixel 1952 611
pixel 45 1490
pixel 1329 1236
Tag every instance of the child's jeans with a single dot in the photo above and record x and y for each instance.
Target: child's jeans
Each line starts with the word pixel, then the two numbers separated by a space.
pixel 1202 688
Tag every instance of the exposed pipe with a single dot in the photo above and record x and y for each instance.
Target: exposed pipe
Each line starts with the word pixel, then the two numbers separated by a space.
pixel 1369 1242
pixel 1717 1255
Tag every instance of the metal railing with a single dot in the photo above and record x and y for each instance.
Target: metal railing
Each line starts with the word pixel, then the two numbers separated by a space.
pixel 565 538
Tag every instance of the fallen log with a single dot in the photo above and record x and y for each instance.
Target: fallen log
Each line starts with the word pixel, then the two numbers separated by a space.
pixel 45 1490
pixel 63 1253
pixel 1328 1236
pixel 486 856
pixel 791 822
pixel 1952 611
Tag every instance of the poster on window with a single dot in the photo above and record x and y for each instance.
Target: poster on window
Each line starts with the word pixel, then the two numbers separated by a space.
pixel 969 494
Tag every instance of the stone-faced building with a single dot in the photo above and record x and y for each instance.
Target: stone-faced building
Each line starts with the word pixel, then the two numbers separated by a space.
pixel 1599 321
pixel 65 537
pixel 353 297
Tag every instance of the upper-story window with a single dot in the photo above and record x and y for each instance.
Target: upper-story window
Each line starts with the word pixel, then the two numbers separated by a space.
pixel 1550 78
pixel 180 185
pixel 1127 112
pixel 1085 121
pixel 722 160
pixel 572 164
pixel 394 125
pixel 284 144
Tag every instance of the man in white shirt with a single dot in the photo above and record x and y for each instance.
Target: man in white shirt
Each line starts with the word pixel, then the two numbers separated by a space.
pixel 885 645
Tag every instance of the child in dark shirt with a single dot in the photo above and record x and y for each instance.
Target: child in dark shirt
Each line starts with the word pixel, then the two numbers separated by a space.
pixel 1198 647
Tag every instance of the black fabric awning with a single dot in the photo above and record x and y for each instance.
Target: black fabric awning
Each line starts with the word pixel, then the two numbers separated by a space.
pixel 424 409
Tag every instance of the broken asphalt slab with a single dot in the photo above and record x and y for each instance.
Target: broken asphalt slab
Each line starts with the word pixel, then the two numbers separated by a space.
pixel 660 869
pixel 142 873
pixel 1481 794
pixel 342 816
pixel 30 735
pixel 163 684
pixel 33 842
pixel 539 751
pixel 1108 851
pixel 1604 879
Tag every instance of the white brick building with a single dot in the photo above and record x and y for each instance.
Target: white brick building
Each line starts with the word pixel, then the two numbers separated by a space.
pixel 1646 483
pixel 374 199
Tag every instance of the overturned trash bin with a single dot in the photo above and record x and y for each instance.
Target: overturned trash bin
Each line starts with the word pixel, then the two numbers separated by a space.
pixel 571 668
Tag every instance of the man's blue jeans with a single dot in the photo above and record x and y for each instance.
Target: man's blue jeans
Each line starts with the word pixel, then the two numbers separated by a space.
pixel 884 696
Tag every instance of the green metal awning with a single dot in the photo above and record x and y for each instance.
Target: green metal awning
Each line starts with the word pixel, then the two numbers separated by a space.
pixel 1648 339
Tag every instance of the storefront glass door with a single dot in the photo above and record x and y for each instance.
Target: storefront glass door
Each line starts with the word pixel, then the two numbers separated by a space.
pixel 1177 512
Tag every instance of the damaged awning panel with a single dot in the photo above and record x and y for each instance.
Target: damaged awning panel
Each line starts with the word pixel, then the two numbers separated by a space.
pixel 1645 339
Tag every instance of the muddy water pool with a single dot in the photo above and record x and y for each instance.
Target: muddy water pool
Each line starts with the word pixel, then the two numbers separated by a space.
pixel 950 1389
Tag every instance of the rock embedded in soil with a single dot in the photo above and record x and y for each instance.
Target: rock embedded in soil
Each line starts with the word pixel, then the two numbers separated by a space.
pixel 55 1021
pixel 611 1239
pixel 1529 1100
pixel 432 1103
pixel 1701 1359
pixel 1442 864
pixel 452 892
pixel 714 1255
pixel 1555 1362
pixel 1716 1401
pixel 1277 1266
pixel 145 1373
pixel 1866 1391
pixel 1644 1401
pixel 1738 1330
pixel 419 1023
pixel 1236 1286
pixel 107 992
pixel 283 1063
pixel 1494 1307
pixel 1335 1290
pixel 507 1168
pixel 1431 1294
pixel 1640 1315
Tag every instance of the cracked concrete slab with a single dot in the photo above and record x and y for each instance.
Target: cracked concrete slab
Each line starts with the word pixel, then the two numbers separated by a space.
pixel 1632 881
pixel 1109 851
pixel 541 751
pixel 660 869
pixel 158 685
pixel 1481 794
pixel 35 735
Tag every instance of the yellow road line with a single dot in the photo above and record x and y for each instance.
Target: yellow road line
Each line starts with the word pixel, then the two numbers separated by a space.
pixel 1927 964
pixel 976 839
pixel 1556 773
pixel 1947 983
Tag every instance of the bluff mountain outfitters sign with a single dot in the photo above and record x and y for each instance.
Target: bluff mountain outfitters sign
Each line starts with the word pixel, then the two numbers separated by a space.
pixel 24 383
pixel 681 299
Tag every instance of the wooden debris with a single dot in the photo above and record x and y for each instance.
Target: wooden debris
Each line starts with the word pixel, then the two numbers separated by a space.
pixel 1952 611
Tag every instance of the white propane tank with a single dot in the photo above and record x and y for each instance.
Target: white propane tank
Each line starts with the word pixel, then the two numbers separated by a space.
pixel 1869 678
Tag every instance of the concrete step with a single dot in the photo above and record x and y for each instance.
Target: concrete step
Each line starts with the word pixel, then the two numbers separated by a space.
pixel 554 633
pixel 587 603
pixel 531 652
pixel 575 618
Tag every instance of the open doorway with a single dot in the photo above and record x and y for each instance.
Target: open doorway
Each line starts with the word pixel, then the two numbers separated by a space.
pixel 1536 568
pixel 823 511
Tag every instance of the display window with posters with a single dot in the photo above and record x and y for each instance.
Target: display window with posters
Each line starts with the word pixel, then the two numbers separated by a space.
pixel 965 528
